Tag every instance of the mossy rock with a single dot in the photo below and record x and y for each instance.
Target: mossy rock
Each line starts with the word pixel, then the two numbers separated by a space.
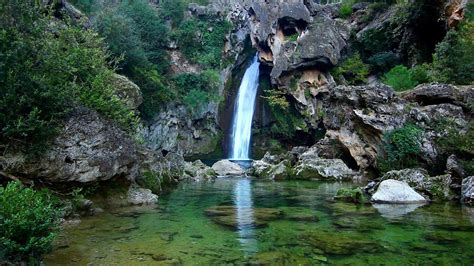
pixel 357 224
pixel 351 195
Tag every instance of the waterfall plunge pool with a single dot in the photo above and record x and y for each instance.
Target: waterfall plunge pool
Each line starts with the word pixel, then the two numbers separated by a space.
pixel 237 221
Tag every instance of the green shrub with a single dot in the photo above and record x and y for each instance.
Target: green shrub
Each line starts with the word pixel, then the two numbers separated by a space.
pixel 352 70
pixel 399 78
pixel 420 74
pixel 202 40
pixel 173 10
pixel 402 147
pixel 345 10
pixel 47 68
pixel 287 120
pixel 198 89
pixel 383 62
pixel 453 60
pixel 461 144
pixel 28 219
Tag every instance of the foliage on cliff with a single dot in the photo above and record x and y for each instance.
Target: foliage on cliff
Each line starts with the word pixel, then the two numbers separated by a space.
pixel 46 67
pixel 402 147
pixel 141 32
pixel 28 219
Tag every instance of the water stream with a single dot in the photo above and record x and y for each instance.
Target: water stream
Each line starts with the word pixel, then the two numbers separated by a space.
pixel 243 113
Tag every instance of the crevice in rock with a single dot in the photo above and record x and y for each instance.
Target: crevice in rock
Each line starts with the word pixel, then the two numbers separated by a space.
pixel 290 26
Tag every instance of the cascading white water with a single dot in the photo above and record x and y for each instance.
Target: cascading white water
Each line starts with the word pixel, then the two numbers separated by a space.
pixel 243 112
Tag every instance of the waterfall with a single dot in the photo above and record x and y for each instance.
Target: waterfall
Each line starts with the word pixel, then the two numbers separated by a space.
pixel 243 112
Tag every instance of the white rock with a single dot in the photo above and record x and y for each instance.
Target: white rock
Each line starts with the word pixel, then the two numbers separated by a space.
pixel 393 191
pixel 227 168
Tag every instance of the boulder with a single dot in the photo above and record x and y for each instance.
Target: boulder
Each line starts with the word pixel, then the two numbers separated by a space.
pixel 141 196
pixel 436 93
pixel 334 169
pixel 262 169
pixel 88 149
pixel 227 168
pixel 197 171
pixel 467 191
pixel 393 191
pixel 127 91
pixel 454 168
pixel 435 188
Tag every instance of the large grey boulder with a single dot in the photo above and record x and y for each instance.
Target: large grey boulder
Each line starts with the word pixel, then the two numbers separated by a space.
pixel 393 191
pixel 227 168
pixel 261 168
pixel 435 188
pixel 127 91
pixel 88 149
pixel 310 166
pixel 467 191
pixel 436 93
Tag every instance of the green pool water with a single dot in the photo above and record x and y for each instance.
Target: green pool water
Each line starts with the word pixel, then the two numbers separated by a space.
pixel 239 221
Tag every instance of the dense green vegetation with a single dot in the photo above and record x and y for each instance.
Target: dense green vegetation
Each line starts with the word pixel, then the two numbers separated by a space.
pixel 138 31
pixel 402 147
pixel 47 68
pixel 28 219
pixel 405 65
pixel 353 71
pixel 460 144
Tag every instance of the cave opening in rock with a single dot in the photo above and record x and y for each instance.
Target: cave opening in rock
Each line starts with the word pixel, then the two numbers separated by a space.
pixel 290 26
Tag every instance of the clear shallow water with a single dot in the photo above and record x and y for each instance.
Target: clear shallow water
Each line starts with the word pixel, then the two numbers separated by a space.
pixel 241 221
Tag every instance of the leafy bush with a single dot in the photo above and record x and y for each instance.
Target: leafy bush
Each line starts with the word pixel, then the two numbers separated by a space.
pixel 173 10
pixel 287 119
pixel 199 89
pixel 345 10
pixel 399 78
pixel 45 70
pixel 28 219
pixel 453 60
pixel 383 62
pixel 461 144
pixel 402 147
pixel 202 40
pixel 353 71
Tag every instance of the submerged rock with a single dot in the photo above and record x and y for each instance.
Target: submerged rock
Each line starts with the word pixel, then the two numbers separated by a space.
pixel 228 168
pixel 393 191
pixel 355 195
pixel 336 243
